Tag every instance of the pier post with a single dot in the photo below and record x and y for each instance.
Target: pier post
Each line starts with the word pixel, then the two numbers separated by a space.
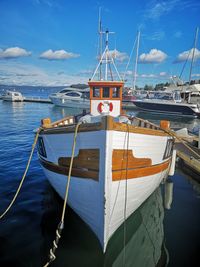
pixel 199 140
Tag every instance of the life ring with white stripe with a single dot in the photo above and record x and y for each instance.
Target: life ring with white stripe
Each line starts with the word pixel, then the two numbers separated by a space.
pixel 101 106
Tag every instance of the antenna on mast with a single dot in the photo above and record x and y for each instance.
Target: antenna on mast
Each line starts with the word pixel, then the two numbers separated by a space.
pixel 106 58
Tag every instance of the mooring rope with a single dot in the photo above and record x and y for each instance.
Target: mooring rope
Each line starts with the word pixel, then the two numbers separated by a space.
pixel 60 227
pixel 173 134
pixel 125 200
pixel 24 175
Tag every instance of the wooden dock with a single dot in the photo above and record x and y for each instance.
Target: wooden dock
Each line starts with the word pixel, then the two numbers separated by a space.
pixel 191 158
pixel 38 100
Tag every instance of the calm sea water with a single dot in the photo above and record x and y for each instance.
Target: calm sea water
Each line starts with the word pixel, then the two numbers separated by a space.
pixel 152 236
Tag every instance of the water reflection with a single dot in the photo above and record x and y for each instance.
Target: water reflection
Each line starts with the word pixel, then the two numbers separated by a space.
pixel 138 242
pixel 26 235
pixel 57 112
pixel 15 106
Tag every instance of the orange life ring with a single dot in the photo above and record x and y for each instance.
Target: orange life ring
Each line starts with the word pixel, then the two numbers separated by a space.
pixel 100 107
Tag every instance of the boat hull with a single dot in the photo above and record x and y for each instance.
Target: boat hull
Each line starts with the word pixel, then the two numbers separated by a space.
pixel 168 108
pixel 71 103
pixel 121 171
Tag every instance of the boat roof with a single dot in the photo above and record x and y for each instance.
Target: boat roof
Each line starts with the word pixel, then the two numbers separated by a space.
pixel 75 89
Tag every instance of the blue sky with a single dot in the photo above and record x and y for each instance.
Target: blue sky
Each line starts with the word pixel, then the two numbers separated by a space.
pixel 55 42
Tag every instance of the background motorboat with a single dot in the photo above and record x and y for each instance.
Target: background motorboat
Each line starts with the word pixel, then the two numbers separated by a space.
pixel 12 96
pixel 169 103
pixel 71 97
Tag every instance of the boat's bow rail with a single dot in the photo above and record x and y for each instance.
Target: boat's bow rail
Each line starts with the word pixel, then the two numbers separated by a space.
pixel 164 124
pixel 122 123
pixel 46 123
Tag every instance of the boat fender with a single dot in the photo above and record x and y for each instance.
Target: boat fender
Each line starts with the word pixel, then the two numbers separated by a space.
pixel 173 163
pixel 86 119
pixel 168 197
pixel 46 123
pixel 165 125
pixel 102 105
pixel 124 119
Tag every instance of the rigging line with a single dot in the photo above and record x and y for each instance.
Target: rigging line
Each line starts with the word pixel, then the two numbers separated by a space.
pixel 193 54
pixel 119 183
pixel 133 48
pixel 185 64
pixel 109 65
pixel 125 200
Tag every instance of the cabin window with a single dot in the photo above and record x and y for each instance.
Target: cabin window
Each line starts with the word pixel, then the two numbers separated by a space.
pixel 64 91
pixel 106 92
pixel 73 94
pixel 168 149
pixel 96 92
pixel 86 95
pixel 116 92
pixel 41 147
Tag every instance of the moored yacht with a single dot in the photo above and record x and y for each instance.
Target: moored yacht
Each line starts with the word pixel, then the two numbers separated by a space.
pixel 71 97
pixel 169 103
pixel 12 96
pixel 119 160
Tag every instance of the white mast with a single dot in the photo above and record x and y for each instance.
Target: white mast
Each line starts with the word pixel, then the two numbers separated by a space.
pixel 100 41
pixel 193 53
pixel 136 60
pixel 106 58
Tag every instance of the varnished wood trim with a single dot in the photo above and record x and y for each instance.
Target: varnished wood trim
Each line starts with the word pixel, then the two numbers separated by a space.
pixel 107 123
pixel 140 172
pixel 106 83
pixel 86 127
pixel 78 170
pixel 86 158
pixel 122 159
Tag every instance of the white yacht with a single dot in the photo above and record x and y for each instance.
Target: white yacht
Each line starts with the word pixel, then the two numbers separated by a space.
pixel 12 96
pixel 71 97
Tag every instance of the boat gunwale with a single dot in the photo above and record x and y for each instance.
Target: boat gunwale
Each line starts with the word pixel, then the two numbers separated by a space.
pixel 107 123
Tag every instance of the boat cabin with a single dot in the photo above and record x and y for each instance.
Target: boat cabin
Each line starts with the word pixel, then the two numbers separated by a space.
pixel 106 98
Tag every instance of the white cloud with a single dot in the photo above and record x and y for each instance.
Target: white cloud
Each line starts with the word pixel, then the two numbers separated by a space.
pixel 196 75
pixel 157 9
pixel 178 34
pixel 13 52
pixel 163 73
pixel 57 55
pixel 154 56
pixel 86 72
pixel 148 76
pixel 121 56
pixel 187 55
pixel 129 72
pixel 25 74
pixel 156 36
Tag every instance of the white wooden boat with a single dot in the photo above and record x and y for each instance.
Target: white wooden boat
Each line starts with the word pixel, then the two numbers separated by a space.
pixel 119 160
pixel 12 96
